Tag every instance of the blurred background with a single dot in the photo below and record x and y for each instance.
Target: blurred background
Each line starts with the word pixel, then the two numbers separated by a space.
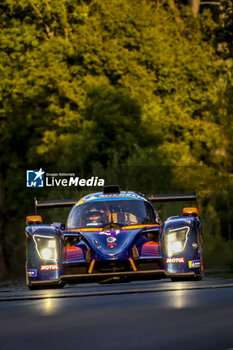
pixel 138 92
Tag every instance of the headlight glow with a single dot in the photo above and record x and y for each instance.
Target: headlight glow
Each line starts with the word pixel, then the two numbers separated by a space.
pixel 52 243
pixel 175 240
pixel 46 253
pixel 175 247
pixel 46 247
pixel 171 237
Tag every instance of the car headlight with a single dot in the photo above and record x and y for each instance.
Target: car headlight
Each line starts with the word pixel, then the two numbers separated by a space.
pixel 46 247
pixel 175 240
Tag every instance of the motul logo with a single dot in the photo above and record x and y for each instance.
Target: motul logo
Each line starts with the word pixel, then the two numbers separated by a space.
pixel 51 267
pixel 175 260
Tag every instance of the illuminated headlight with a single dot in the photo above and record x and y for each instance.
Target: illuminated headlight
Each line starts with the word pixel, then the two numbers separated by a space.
pixel 175 240
pixel 46 247
pixel 47 253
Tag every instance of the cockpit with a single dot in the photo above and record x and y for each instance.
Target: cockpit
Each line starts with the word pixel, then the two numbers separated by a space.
pixel 123 212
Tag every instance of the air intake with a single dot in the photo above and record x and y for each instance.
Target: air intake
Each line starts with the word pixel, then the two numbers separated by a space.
pixel 111 189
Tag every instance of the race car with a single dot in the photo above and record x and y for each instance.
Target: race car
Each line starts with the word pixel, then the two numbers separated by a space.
pixel 113 236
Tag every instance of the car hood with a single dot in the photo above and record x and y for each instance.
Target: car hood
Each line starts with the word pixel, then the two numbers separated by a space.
pixel 112 245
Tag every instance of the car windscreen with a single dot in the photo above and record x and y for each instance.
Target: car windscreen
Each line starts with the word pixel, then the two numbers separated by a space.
pixel 101 213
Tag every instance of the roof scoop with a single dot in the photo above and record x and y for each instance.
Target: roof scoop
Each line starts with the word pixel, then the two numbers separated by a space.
pixel 111 189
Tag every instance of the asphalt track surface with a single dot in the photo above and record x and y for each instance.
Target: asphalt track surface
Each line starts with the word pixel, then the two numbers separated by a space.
pixel 137 315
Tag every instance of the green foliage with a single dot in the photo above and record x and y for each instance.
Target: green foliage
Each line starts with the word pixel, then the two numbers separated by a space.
pixel 110 87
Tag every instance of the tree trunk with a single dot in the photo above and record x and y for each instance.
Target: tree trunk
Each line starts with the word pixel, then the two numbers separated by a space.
pixel 195 5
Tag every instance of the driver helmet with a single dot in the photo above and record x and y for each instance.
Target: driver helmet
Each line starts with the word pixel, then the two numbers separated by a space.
pixel 95 216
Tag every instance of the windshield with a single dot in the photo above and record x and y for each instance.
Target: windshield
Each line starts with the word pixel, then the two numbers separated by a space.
pixel 101 213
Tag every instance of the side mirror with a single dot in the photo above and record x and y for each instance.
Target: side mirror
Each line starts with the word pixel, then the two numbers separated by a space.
pixel 59 225
pixel 33 220
pixel 191 211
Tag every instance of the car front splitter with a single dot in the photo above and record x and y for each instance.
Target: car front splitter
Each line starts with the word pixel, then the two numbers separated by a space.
pixel 95 277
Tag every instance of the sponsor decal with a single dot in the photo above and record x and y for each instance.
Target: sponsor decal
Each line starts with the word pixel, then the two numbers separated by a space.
pixel 194 263
pixel 37 227
pixel 97 244
pixel 109 233
pixel 111 245
pixel 111 239
pixel 91 198
pixel 38 178
pixel 32 273
pixel 175 260
pixel 35 178
pixel 105 233
pixel 50 267
pixel 121 195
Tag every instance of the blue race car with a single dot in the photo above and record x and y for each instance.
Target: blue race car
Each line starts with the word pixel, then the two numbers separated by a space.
pixel 113 235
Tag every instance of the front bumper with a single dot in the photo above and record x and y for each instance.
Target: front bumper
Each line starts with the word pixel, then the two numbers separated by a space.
pixel 96 277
